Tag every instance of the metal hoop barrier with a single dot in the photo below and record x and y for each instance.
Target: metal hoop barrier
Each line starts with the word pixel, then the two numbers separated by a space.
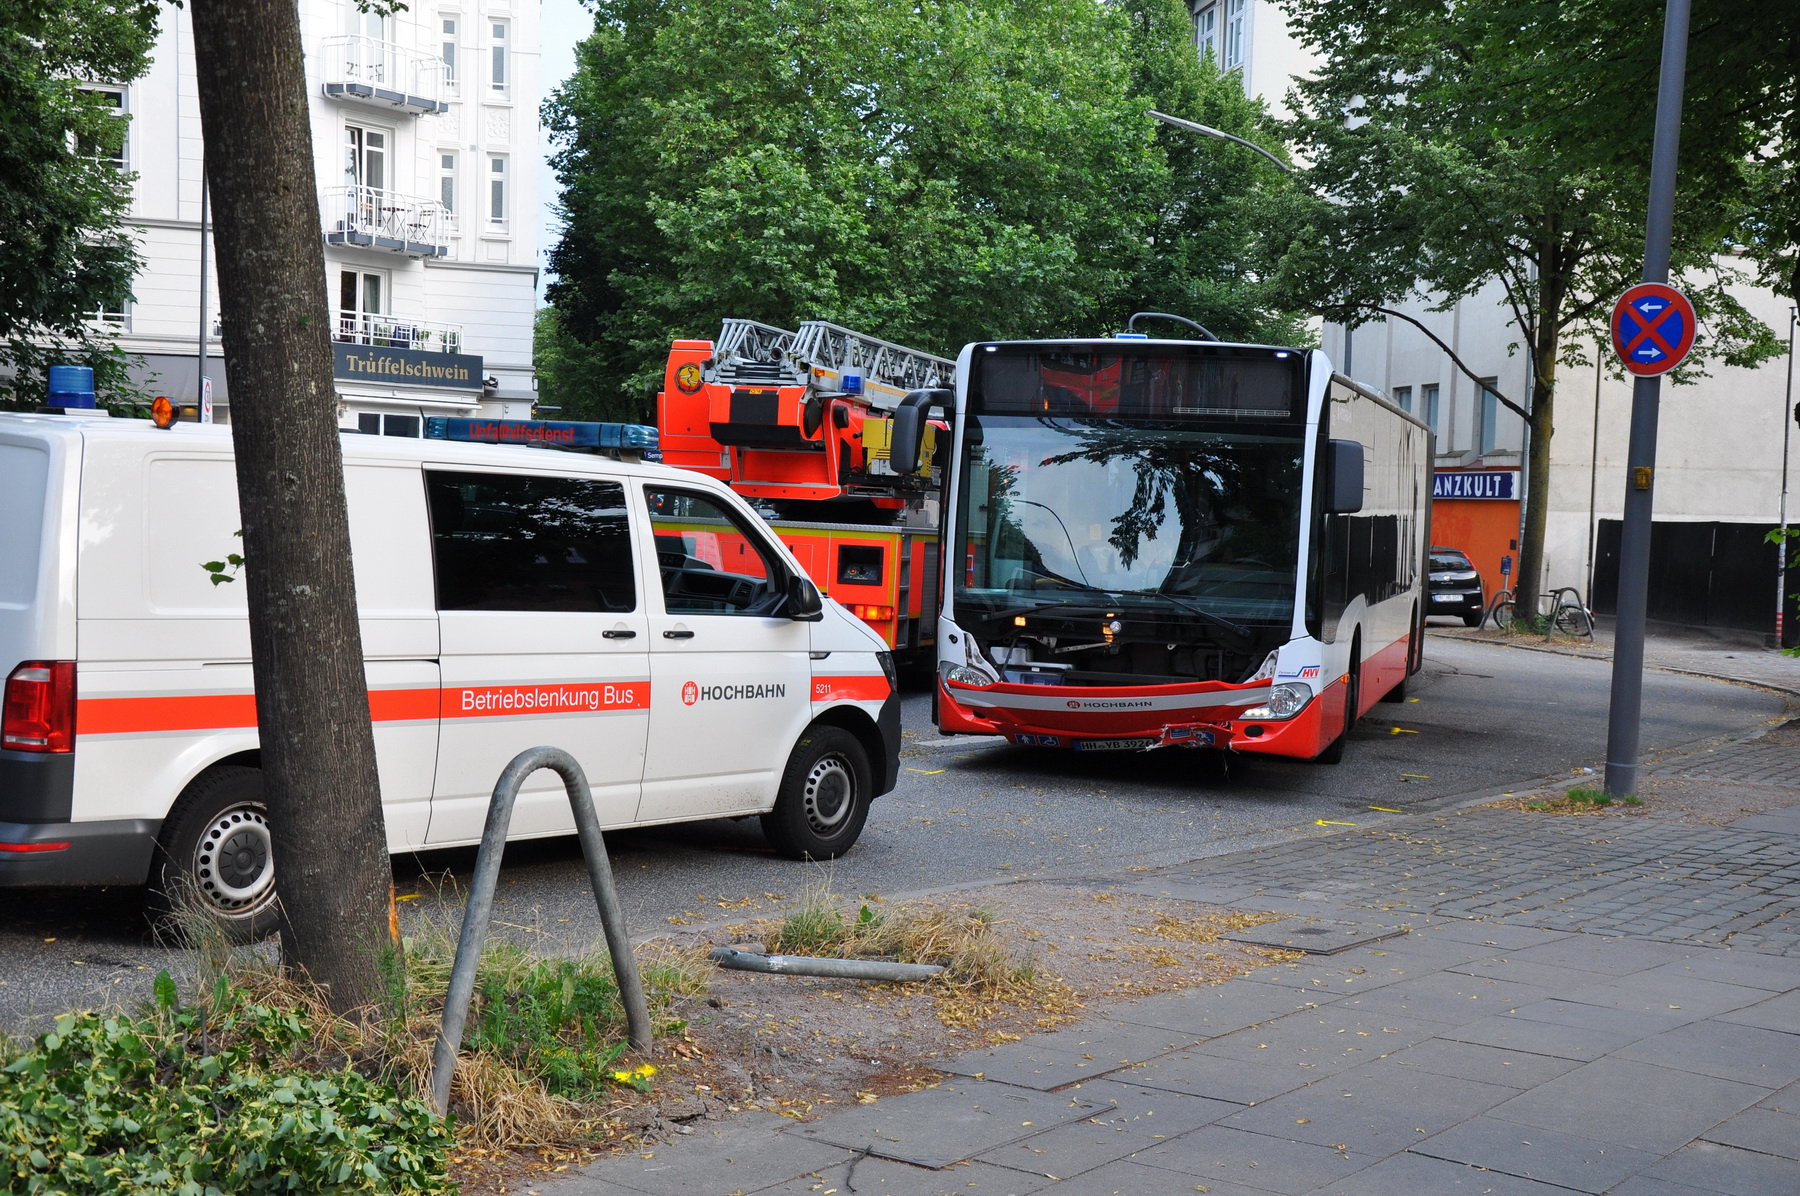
pixel 1568 613
pixel 481 906
pixel 1499 611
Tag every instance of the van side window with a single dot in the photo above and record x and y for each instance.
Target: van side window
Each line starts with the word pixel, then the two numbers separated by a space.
pixel 711 564
pixel 513 542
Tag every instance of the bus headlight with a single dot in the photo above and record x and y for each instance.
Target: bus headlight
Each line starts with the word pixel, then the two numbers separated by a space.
pixel 963 674
pixel 1283 702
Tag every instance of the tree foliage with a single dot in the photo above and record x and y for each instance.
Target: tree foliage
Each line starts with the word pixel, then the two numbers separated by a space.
pixel 1451 147
pixel 932 173
pixel 62 255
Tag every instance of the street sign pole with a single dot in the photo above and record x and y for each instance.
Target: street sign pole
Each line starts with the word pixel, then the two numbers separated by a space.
pixel 1623 721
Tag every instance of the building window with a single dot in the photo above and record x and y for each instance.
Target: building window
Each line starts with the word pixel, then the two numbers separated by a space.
pixel 1232 57
pixel 448 48
pixel 497 190
pixel 113 314
pixel 1489 417
pixel 447 183
pixel 1206 31
pixel 107 140
pixel 365 157
pixel 499 78
pixel 368 24
pixel 1428 406
pixel 362 304
pixel 1403 397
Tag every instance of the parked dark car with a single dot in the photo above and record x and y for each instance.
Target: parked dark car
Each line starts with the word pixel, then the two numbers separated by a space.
pixel 1455 586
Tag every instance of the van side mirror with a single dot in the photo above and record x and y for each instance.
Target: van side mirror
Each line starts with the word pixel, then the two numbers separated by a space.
pixel 909 427
pixel 803 603
pixel 1343 477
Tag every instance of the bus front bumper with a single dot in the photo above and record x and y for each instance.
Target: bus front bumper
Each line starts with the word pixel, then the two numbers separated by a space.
pixel 1302 737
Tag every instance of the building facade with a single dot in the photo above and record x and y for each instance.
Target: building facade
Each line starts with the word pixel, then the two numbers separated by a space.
pixel 425 149
pixel 1725 443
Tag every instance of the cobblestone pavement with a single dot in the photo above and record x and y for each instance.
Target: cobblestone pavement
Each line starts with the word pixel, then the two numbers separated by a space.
pixel 1572 1004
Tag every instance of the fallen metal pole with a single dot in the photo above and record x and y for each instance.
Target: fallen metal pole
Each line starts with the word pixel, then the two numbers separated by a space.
pixel 481 907
pixel 809 965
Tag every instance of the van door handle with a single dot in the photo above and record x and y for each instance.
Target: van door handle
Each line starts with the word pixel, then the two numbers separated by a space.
pixel 678 635
pixel 619 634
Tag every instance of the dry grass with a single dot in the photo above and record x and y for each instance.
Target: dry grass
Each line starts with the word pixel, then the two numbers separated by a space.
pixel 984 969
pixel 1577 802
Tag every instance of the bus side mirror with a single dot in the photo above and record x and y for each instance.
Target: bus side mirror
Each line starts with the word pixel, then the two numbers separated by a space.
pixel 909 428
pixel 1343 477
pixel 803 603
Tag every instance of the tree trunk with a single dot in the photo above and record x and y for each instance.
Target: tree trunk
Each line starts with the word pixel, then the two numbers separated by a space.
pixel 1552 294
pixel 318 752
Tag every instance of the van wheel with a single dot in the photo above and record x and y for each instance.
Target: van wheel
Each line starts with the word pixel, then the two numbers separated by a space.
pixel 215 860
pixel 824 796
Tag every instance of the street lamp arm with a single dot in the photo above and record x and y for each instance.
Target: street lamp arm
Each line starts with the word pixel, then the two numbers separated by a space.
pixel 1454 359
pixel 1220 134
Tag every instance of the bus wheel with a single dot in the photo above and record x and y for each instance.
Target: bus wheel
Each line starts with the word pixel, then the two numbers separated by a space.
pixel 214 870
pixel 824 796
pixel 1352 695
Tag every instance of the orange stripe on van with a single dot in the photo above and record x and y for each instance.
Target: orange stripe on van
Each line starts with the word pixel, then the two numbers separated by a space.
pixel 214 712
pixel 853 689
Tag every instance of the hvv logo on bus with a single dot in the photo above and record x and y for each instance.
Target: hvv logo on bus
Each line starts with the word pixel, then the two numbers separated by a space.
pixel 1481 483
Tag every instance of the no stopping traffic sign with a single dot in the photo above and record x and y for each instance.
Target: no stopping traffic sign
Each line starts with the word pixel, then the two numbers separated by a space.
pixel 1652 328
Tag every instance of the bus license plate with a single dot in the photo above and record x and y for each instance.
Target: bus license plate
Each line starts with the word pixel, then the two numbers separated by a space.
pixel 1114 745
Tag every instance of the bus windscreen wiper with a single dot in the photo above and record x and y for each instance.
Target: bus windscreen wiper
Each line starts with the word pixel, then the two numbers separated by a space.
pixel 1198 611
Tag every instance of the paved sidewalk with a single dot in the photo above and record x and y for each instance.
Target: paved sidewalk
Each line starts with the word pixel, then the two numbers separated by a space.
pixel 1567 1004
pixel 1733 656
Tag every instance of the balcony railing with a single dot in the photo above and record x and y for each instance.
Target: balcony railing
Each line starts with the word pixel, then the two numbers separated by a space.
pixel 371 71
pixel 376 219
pixel 394 332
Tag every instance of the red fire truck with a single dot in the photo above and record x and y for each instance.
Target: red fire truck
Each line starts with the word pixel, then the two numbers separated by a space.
pixel 799 423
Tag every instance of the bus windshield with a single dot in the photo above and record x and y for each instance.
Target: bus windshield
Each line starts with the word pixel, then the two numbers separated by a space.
pixel 1128 512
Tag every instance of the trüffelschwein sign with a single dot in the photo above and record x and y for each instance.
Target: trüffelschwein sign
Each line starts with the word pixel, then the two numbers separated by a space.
pixel 406 367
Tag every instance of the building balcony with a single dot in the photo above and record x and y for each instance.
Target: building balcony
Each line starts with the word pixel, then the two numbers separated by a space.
pixel 395 332
pixel 372 218
pixel 366 70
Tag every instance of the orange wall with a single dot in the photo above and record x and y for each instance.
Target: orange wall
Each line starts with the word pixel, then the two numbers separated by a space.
pixel 1482 528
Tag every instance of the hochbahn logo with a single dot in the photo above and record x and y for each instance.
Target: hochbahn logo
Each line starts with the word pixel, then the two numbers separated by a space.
pixel 1109 704
pixel 693 692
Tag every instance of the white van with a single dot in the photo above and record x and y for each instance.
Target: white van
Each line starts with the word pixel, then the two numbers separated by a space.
pixel 638 616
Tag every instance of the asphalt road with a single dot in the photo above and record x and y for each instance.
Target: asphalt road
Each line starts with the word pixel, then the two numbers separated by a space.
pixel 1487 718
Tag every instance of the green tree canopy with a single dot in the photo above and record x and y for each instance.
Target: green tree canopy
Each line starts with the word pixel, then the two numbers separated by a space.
pixel 931 173
pixel 62 256
pixel 1456 146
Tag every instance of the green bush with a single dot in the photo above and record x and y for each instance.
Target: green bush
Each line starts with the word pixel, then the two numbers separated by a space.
pixel 217 1101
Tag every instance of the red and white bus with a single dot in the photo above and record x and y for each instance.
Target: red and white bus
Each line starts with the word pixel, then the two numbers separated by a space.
pixel 1155 543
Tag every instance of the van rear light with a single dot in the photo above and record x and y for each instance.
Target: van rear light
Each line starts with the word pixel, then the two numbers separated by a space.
pixel 39 712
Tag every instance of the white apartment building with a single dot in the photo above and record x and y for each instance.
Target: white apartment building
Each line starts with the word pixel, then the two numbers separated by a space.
pixel 425 150
pixel 1725 444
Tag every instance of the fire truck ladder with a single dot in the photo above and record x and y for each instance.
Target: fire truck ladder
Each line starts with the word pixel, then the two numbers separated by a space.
pixel 750 353
pixel 840 351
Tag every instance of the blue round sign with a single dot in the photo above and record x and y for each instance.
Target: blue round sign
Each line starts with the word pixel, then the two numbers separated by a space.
pixel 1653 328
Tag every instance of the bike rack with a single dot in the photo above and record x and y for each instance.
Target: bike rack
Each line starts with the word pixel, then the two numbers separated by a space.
pixel 481 906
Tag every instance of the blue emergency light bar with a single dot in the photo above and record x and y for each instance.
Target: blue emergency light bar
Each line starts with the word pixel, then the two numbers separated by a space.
pixel 607 438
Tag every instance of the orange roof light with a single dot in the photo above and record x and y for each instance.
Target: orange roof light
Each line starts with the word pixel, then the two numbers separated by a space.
pixel 162 412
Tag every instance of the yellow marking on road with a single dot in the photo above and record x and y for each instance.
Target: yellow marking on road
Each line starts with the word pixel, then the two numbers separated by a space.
pixel 1400 731
pixel 930 772
pixel 1384 809
pixel 1328 822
